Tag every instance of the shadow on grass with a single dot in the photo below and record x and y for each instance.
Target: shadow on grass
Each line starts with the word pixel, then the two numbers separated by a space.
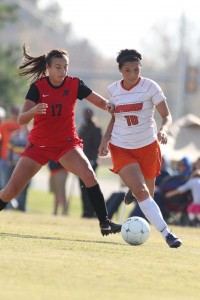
pixel 25 236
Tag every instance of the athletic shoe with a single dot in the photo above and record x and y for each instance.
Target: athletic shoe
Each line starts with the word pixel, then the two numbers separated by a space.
pixel 129 197
pixel 173 241
pixel 108 227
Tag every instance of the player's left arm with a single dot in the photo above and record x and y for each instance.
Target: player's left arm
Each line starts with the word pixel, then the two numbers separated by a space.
pixel 165 114
pixel 103 147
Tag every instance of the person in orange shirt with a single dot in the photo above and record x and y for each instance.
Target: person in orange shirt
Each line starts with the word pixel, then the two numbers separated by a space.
pixel 6 128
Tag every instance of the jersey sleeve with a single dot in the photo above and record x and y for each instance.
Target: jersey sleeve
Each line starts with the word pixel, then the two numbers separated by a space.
pixel 157 93
pixel 83 90
pixel 33 93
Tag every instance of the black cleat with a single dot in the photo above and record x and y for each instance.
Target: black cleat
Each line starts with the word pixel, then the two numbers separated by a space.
pixel 173 241
pixel 108 227
pixel 129 198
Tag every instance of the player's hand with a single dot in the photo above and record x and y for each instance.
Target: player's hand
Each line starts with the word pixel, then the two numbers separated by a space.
pixel 162 136
pixel 103 148
pixel 110 108
pixel 41 109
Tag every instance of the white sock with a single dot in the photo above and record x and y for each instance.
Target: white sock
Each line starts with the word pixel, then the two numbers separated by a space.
pixel 152 212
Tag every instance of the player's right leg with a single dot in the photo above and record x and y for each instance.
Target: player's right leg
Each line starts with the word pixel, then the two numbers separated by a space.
pixel 25 169
pixel 76 162
pixel 134 179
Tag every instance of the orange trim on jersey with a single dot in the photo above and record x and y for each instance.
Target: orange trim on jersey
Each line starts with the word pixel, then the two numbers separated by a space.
pixel 148 158
pixel 128 89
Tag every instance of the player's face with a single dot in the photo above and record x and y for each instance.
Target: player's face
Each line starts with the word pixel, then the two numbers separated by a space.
pixel 58 70
pixel 131 71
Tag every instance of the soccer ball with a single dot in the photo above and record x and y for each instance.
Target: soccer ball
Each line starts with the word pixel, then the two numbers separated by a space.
pixel 135 231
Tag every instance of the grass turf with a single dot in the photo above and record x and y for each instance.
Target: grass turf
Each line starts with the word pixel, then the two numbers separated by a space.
pixel 46 257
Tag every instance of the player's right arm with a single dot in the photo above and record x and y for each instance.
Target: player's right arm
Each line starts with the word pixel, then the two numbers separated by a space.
pixel 103 148
pixel 32 106
pixel 30 109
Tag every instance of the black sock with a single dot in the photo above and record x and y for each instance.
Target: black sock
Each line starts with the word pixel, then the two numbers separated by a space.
pixel 97 200
pixel 2 204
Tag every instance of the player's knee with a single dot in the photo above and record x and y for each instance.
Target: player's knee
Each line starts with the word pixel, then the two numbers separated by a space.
pixel 141 193
pixel 90 178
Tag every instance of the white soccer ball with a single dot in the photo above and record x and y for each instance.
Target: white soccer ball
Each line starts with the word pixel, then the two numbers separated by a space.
pixel 135 231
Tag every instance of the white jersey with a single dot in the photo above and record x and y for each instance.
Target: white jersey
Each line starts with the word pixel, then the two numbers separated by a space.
pixel 193 185
pixel 135 126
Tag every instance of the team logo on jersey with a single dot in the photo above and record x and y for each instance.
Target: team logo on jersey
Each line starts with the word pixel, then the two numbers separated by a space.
pixel 66 93
pixel 128 107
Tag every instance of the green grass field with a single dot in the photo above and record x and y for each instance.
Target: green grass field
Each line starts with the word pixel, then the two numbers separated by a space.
pixel 52 257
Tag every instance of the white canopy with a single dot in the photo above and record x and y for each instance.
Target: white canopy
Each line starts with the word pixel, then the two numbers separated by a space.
pixel 184 139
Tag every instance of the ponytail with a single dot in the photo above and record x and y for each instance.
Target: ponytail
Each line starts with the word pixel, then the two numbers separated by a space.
pixel 35 67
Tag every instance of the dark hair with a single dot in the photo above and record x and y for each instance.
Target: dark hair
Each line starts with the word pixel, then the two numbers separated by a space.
pixel 36 66
pixel 128 55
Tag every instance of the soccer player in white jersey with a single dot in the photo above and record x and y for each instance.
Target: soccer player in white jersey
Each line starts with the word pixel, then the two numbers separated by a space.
pixel 133 139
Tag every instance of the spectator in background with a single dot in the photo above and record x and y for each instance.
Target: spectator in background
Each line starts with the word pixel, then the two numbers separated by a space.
pixel 193 209
pixel 57 185
pixel 196 165
pixel 176 204
pixel 184 167
pixel 16 146
pixel 6 128
pixel 166 172
pixel 91 135
pixel 179 177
